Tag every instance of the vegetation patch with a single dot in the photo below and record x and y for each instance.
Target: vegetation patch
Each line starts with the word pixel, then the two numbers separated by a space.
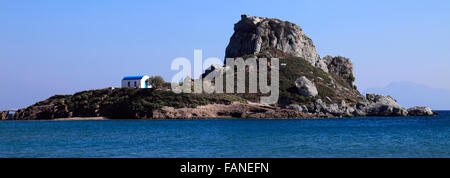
pixel 131 103
pixel 291 70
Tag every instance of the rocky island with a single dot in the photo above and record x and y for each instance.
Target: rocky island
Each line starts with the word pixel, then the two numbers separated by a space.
pixel 310 87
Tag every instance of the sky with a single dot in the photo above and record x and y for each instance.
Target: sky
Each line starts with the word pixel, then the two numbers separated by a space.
pixel 62 47
pixel 435 98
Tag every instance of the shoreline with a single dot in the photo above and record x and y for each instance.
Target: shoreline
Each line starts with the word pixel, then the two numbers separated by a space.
pixel 80 119
pixel 178 119
pixel 206 118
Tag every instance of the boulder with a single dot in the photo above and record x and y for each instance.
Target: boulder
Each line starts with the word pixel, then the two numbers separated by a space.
pixel 306 87
pixel 420 111
pixel 254 35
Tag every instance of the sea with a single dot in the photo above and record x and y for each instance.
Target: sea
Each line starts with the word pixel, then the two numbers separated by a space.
pixel 364 137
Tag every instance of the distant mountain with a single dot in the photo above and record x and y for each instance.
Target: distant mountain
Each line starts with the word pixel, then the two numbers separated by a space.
pixel 410 94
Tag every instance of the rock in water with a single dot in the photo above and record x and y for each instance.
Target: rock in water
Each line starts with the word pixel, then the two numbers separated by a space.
pixel 306 87
pixel 383 106
pixel 420 111
pixel 253 35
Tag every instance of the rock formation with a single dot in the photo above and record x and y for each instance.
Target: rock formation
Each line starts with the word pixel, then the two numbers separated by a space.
pixel 383 106
pixel 341 67
pixel 253 35
pixel 266 37
pixel 276 38
pixel 4 115
pixel 50 111
pixel 375 105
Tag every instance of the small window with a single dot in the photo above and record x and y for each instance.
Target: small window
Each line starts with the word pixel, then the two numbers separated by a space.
pixel 128 84
pixel 134 83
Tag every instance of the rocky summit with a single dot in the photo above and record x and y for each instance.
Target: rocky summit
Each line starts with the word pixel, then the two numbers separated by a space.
pixel 309 87
pixel 253 35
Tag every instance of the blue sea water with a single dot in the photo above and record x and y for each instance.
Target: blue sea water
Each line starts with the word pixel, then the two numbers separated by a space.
pixel 349 137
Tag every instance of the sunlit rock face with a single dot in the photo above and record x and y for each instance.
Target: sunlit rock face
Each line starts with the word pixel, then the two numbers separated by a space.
pixel 253 35
pixel 341 67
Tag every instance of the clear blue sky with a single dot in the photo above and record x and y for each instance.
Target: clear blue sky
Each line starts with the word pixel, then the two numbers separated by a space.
pixel 61 47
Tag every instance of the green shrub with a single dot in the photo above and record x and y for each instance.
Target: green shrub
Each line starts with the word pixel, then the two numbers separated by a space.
pixel 156 81
pixel 352 77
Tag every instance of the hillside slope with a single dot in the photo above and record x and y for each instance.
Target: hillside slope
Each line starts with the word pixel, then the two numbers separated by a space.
pixel 310 86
